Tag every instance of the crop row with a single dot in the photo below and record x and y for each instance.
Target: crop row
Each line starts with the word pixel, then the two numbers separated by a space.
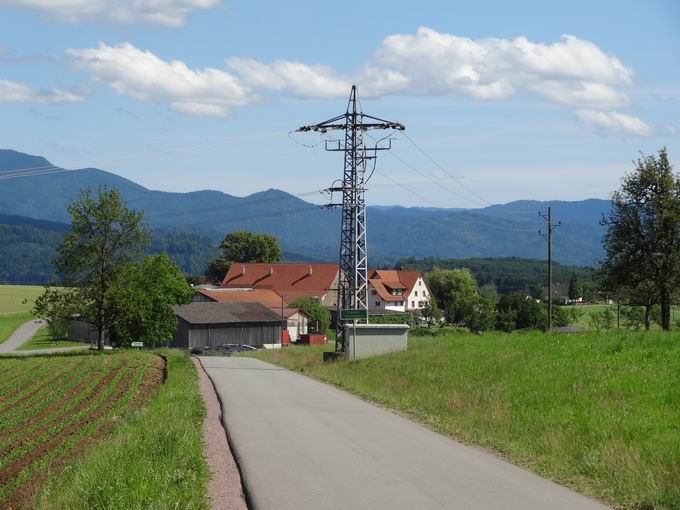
pixel 58 433
pixel 37 380
pixel 91 385
pixel 41 400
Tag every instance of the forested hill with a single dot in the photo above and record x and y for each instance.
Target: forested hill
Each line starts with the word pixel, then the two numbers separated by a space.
pixel 312 233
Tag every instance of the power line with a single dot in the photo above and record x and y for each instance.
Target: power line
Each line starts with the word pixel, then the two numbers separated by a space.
pixel 452 177
pixel 47 169
pixel 428 177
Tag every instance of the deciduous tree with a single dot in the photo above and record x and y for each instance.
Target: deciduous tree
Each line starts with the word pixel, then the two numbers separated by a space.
pixel 105 236
pixel 243 246
pixel 642 242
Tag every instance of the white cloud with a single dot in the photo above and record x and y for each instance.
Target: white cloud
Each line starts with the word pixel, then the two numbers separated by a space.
pixel 13 92
pixel 614 121
pixel 571 72
pixel 145 77
pixel 289 77
pixel 162 12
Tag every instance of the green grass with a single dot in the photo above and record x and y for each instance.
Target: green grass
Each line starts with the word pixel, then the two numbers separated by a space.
pixel 154 458
pixel 12 297
pixel 43 340
pixel 10 322
pixel 599 413
pixel 586 311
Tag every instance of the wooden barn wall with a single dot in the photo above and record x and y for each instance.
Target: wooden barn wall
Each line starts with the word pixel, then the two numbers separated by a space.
pixel 252 333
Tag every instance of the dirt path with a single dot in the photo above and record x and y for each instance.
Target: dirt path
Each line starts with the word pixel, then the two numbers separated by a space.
pixel 224 488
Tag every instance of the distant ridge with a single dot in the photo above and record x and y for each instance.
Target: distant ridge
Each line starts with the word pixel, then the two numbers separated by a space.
pixel 311 233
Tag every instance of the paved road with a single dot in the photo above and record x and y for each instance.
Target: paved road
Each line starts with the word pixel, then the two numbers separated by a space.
pixel 22 334
pixel 302 444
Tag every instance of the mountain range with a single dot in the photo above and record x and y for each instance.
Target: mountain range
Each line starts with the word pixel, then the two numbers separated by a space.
pixel 306 231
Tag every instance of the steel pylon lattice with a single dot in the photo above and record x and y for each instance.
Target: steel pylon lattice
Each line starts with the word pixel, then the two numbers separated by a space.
pixel 353 259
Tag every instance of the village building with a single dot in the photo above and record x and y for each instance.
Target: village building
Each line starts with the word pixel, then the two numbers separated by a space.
pixel 390 290
pixel 289 280
pixel 214 324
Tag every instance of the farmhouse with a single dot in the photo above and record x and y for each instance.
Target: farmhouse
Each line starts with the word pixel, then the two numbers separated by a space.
pixel 396 291
pixel 289 280
pixel 213 324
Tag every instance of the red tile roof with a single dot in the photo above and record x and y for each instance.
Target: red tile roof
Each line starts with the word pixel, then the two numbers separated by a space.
pixel 290 280
pixel 385 280
pixel 267 297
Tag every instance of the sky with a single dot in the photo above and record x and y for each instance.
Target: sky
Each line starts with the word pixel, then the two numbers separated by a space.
pixel 501 101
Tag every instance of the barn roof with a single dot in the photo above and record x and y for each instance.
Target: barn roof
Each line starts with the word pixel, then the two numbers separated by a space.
pixel 225 313
pixel 290 280
pixel 267 297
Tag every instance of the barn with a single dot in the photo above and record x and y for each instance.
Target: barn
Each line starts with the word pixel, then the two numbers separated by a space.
pixel 213 324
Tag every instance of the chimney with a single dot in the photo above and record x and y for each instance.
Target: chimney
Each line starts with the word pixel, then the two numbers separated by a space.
pixel 243 270
pixel 310 271
pixel 271 270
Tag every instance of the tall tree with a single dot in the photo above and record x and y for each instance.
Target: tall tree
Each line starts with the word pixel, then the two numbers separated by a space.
pixel 243 246
pixel 105 236
pixel 575 287
pixel 642 242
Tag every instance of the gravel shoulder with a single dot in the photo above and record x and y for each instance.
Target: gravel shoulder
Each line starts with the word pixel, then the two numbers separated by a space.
pixel 225 490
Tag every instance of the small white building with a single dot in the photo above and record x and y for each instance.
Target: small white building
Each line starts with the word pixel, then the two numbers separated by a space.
pixel 397 291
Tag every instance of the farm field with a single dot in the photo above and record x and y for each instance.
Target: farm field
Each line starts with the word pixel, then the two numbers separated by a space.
pixel 12 297
pixel 152 458
pixel 596 412
pixel 55 407
pixel 43 340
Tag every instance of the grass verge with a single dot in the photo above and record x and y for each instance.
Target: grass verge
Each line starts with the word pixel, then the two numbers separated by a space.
pixel 43 340
pixel 153 459
pixel 597 412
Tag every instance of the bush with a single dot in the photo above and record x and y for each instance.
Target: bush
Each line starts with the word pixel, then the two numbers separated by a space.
pixel 517 311
pixel 482 315
pixel 602 320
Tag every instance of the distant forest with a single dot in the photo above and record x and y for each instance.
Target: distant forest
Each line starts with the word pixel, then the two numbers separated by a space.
pixel 28 247
pixel 508 274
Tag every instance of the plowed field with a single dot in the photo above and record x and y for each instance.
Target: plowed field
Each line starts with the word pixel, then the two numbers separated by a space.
pixel 52 408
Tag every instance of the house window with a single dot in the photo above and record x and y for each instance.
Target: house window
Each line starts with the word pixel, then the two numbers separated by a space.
pixel 416 293
pixel 420 283
pixel 420 304
pixel 377 303
pixel 413 304
pixel 374 292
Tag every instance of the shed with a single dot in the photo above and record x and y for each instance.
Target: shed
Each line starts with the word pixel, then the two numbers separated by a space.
pixel 213 324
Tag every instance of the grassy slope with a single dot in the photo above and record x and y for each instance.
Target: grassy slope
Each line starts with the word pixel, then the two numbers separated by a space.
pixel 600 413
pixel 43 340
pixel 154 458
pixel 12 297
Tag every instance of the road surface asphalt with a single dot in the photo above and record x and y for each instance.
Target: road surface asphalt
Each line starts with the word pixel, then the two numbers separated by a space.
pixel 302 444
pixel 24 333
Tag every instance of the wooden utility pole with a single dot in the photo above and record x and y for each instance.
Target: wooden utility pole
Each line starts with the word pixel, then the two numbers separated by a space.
pixel 551 226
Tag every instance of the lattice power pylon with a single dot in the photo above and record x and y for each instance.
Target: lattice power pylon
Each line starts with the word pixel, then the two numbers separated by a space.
pixel 353 284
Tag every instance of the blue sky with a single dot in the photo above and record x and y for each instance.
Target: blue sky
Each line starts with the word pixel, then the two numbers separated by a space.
pixel 516 100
